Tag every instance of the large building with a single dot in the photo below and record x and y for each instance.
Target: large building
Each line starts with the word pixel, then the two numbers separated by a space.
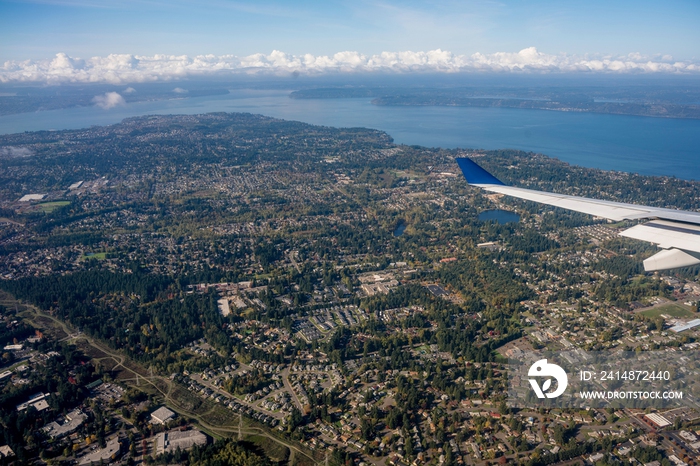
pixel 687 326
pixel 32 197
pixel 73 420
pixel 38 401
pixel 162 415
pixel 174 439
pixel 658 419
pixel 104 455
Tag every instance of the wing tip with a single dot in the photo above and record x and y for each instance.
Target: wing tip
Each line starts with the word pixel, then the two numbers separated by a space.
pixel 476 175
pixel 670 259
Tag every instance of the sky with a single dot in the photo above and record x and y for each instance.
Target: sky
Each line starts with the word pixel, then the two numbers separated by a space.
pixel 145 40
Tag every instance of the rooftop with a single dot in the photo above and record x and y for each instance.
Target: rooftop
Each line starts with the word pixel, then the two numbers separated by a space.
pixel 162 415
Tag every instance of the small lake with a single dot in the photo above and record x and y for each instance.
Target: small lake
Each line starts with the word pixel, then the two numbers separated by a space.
pixel 500 216
pixel 400 229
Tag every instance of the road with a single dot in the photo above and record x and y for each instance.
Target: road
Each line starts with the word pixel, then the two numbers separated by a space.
pixel 288 386
pixel 227 395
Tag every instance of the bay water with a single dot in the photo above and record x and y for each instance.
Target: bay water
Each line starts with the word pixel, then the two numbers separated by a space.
pixel 650 146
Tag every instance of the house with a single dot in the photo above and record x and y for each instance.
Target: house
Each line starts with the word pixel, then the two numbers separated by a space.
pixel 6 452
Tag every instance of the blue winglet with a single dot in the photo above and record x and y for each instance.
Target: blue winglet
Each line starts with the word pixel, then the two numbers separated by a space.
pixel 475 174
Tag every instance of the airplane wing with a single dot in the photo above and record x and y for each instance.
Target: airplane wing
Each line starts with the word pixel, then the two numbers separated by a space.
pixel 677 232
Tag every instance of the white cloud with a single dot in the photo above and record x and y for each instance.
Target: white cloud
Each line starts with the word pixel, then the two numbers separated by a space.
pixel 12 152
pixel 108 100
pixel 126 68
pixel 179 90
pixel 129 90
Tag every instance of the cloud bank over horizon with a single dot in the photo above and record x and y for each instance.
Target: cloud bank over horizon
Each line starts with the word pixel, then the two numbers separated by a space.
pixel 127 68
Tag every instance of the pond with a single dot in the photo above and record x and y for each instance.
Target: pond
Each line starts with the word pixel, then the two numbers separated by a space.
pixel 500 216
pixel 400 229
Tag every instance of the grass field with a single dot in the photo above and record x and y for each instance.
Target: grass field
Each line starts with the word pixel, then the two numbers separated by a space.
pixel 49 207
pixel 186 399
pixel 276 452
pixel 220 416
pixel 100 256
pixel 673 310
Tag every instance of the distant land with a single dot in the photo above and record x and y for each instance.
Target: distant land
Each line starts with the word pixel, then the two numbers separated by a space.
pixel 650 102
pixel 32 99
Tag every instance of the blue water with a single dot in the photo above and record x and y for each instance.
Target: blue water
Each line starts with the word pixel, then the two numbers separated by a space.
pixel 613 142
pixel 500 216
pixel 400 229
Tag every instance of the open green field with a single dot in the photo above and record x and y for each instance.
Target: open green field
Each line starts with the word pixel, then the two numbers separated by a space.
pixel 49 207
pixel 673 310
pixel 100 256
pixel 274 450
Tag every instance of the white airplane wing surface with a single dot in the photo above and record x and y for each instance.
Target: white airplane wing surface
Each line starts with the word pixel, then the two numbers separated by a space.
pixel 677 232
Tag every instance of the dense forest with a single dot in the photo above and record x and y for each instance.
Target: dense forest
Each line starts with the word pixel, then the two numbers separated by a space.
pixel 137 313
pixel 225 452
